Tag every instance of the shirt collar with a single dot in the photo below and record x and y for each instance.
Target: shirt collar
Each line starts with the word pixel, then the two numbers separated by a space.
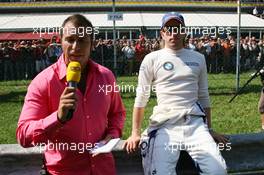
pixel 61 67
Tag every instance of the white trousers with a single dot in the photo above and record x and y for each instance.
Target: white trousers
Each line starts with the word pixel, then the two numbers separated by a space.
pixel 190 134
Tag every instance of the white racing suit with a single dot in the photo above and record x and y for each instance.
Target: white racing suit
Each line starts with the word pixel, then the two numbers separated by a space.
pixel 172 130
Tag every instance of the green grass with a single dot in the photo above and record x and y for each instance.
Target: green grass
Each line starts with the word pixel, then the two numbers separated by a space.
pixel 240 116
pixel 11 100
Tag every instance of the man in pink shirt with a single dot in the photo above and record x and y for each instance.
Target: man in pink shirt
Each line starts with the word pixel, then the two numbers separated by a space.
pixel 98 116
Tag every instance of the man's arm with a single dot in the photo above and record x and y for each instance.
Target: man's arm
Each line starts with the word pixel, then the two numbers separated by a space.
pixel 36 123
pixel 203 96
pixel 219 138
pixel 132 142
pixel 143 93
pixel 138 116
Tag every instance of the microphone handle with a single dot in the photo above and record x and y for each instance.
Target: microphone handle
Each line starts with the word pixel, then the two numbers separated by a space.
pixel 70 114
pixel 72 84
pixel 71 111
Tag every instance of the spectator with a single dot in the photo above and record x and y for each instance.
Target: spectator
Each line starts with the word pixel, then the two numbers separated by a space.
pixel 109 54
pixel 226 54
pixel 40 57
pixel 254 50
pixel 156 45
pixel 191 45
pixel 8 65
pixel 100 51
pixel 219 56
pixel 213 56
pixel 141 52
pixel 29 60
pixel 129 52
pixel 52 52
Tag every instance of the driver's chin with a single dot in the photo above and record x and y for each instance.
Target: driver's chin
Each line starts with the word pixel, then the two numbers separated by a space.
pixel 173 44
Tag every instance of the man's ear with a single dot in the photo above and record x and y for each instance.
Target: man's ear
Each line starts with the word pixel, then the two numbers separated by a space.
pixel 161 33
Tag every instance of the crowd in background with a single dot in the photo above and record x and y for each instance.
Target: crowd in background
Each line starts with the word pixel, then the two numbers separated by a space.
pixel 220 54
pixel 25 59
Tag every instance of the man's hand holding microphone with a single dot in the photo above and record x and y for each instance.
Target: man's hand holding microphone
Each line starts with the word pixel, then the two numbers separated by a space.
pixel 68 99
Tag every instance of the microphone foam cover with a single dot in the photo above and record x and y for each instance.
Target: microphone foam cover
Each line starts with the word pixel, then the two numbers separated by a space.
pixel 73 72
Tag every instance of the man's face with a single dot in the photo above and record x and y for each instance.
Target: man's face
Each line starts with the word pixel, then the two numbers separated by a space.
pixel 172 34
pixel 76 47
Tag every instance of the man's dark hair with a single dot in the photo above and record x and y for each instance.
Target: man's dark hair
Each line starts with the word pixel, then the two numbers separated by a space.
pixel 79 21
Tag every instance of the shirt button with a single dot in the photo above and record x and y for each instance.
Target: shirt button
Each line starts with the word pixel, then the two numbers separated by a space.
pixel 88 117
pixel 84 99
pixel 90 134
pixel 93 165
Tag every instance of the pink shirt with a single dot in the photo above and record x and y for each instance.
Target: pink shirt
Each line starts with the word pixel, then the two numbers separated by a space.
pixel 97 114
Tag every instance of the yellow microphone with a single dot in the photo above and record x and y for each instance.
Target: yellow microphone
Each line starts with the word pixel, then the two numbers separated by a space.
pixel 73 75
